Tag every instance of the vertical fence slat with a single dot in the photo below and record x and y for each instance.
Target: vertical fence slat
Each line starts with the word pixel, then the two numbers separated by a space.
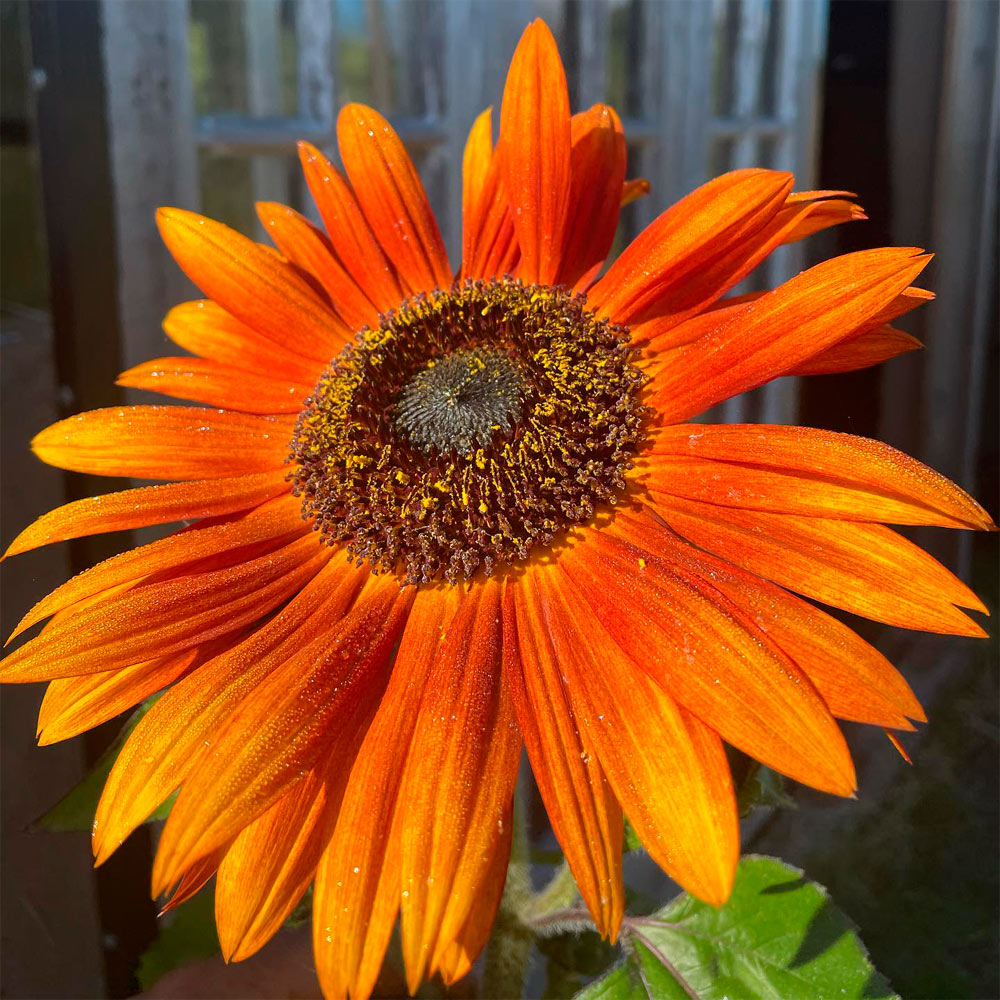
pixel 153 157
pixel 315 70
pixel 262 28
pixel 592 47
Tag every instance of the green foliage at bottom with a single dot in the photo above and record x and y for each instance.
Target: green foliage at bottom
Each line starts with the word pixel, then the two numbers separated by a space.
pixel 779 937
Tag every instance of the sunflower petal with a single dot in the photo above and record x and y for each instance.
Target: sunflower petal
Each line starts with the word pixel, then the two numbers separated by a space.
pixel 597 170
pixel 163 748
pixel 866 569
pixel 392 198
pixel 275 521
pixel 476 160
pixel 193 880
pixel 267 868
pixel 458 781
pixel 494 243
pixel 825 210
pixel 801 470
pixel 782 329
pixel 349 233
pixel 72 705
pixel 303 244
pixel 165 618
pixel 148 505
pixel 869 349
pixel 667 768
pixel 206 329
pixel 252 283
pixel 856 681
pixel 357 888
pixel 283 728
pixel 165 442
pixel 634 189
pixel 272 861
pixel 690 639
pixel 204 381
pixel 455 959
pixel 585 816
pixel 670 267
pixel 535 151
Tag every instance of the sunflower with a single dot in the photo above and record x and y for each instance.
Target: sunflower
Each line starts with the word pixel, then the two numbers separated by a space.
pixel 438 516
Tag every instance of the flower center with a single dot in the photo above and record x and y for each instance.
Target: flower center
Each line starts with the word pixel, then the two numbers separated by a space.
pixel 472 426
pixel 458 401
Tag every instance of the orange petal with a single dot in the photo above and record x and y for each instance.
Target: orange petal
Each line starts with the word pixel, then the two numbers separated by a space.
pixel 585 816
pixel 871 348
pixel 276 521
pixel 866 569
pixel 494 243
pixel 72 705
pixel 253 284
pixel 206 329
pixel 634 189
pixel 801 470
pixel 457 958
pixel 691 640
pixel 666 267
pixel 807 314
pixel 476 162
pixel 667 768
pixel 856 681
pixel 165 442
pixel 349 233
pixel 165 618
pixel 303 244
pixel 193 880
pixel 150 505
pixel 825 211
pixel 163 748
pixel 357 888
pixel 289 722
pixel 392 198
pixel 663 333
pixel 458 783
pixel 216 384
pixel 597 169
pixel 272 861
pixel 535 151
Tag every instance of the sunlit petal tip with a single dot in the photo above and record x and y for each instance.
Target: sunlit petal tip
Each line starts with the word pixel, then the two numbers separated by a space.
pixel 634 189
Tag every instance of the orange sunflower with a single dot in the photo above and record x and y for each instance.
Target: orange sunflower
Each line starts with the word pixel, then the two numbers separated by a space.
pixel 438 516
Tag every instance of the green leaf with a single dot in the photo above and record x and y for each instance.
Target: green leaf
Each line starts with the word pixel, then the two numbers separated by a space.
pixel 762 788
pixel 631 841
pixel 75 810
pixel 778 938
pixel 189 935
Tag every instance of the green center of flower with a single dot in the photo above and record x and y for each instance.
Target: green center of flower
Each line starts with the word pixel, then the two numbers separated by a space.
pixel 472 426
pixel 459 401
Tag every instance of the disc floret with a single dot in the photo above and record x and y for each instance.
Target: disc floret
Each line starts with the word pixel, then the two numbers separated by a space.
pixel 470 427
